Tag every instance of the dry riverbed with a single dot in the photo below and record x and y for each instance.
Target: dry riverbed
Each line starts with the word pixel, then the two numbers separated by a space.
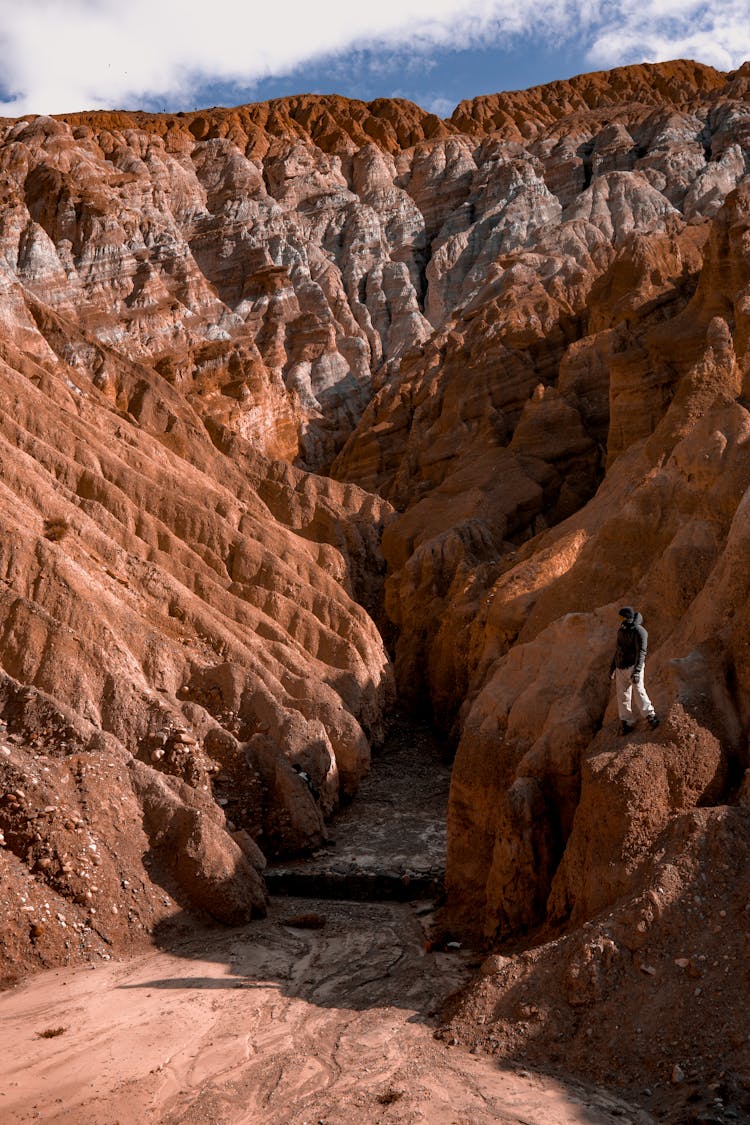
pixel 277 1023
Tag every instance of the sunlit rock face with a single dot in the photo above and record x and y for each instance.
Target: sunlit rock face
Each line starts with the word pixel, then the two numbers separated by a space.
pixel 180 626
pixel 279 260
pixel 516 339
pixel 571 438
pixel 272 278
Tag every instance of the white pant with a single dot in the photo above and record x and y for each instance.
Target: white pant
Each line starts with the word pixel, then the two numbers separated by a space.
pixel 629 693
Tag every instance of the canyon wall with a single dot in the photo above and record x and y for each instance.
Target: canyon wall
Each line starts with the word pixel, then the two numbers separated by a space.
pixel 572 438
pixel 180 629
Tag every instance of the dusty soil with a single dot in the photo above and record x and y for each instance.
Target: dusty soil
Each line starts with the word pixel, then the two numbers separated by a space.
pixel 325 1013
pixel 649 998
pixel 274 1024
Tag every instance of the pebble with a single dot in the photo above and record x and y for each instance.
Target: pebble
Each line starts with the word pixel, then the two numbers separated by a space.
pixel 678 1074
pixel 185 739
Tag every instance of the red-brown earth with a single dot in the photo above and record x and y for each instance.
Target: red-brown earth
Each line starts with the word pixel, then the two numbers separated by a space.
pixel 518 343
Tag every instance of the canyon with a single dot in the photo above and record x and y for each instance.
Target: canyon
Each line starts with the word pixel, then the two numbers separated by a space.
pixel 314 406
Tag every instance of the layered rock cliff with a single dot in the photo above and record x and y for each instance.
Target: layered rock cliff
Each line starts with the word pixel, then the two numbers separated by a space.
pixel 179 630
pixel 517 339
pixel 587 383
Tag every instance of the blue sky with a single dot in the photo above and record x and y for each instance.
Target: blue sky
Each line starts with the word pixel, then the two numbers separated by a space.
pixel 437 81
pixel 59 56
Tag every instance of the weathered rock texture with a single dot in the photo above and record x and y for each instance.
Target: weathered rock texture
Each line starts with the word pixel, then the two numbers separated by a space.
pixel 573 437
pixel 521 633
pixel 519 340
pixel 179 627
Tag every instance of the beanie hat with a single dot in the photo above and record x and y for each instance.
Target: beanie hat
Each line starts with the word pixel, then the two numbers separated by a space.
pixel 627 612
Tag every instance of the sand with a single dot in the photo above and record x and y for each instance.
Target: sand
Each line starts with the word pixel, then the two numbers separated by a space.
pixel 272 1024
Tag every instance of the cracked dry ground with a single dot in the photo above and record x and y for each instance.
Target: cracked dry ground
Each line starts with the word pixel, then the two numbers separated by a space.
pixel 324 1012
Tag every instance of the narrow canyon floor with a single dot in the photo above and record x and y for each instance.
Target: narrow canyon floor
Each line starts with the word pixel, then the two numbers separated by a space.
pixel 323 1013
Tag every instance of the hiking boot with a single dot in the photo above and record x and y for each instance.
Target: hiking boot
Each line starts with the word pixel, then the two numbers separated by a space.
pixel 626 727
pixel 653 721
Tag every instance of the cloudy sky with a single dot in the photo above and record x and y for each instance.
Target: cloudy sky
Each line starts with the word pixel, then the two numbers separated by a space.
pixel 58 56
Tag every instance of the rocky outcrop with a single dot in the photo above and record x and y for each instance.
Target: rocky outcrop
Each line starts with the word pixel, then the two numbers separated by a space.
pixel 660 969
pixel 665 529
pixel 548 450
pixel 278 260
pixel 271 289
pixel 174 605
pixel 617 862
pixel 527 113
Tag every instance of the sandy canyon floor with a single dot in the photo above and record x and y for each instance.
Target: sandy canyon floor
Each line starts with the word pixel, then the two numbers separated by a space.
pixel 270 1025
pixel 324 1012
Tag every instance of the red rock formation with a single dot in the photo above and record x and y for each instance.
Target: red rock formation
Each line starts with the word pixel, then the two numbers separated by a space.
pixel 664 529
pixel 556 825
pixel 526 113
pixel 174 605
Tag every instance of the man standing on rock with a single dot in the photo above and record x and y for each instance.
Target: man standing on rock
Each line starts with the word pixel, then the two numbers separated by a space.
pixel 627 671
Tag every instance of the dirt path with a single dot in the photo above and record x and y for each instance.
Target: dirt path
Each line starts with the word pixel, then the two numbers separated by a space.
pixel 279 1023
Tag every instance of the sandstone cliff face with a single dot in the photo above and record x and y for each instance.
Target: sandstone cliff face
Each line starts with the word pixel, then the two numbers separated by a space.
pixel 568 815
pixel 178 630
pixel 585 383
pixel 278 260
pixel 520 338
pixel 574 437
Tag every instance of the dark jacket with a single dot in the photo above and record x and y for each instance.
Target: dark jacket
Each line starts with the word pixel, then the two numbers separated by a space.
pixel 632 642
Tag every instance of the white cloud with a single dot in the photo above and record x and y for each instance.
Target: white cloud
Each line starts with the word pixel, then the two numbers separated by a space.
pixel 63 55
pixel 441 107
pixel 657 30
